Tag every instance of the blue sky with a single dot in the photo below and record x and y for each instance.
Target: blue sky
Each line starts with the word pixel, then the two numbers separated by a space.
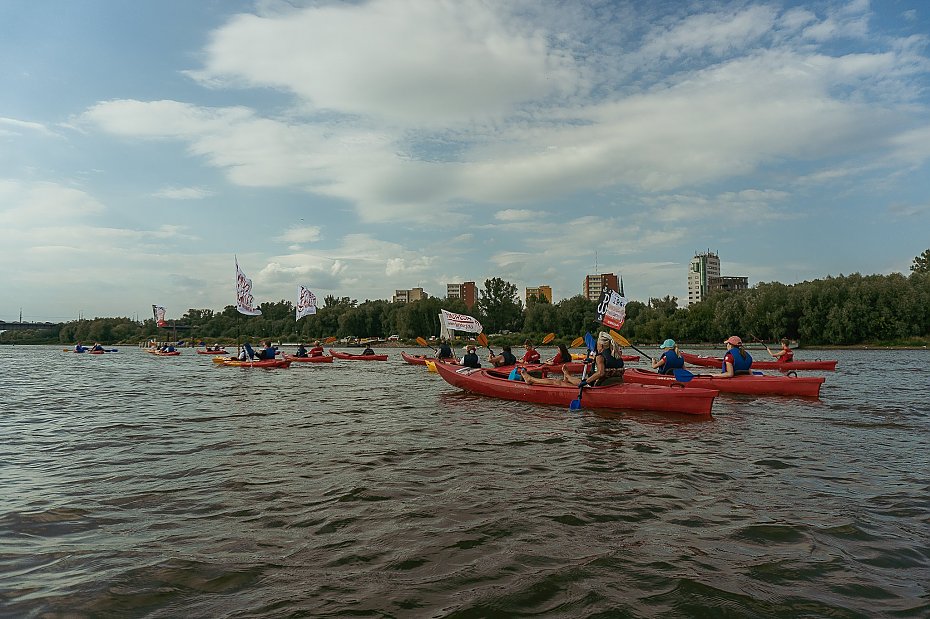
pixel 360 147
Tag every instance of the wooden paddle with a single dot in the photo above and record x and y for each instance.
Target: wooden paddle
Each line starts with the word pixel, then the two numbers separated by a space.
pixel 548 338
pixel 578 341
pixel 626 343
pixel 422 342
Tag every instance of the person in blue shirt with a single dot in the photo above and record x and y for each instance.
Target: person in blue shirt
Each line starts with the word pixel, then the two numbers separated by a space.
pixel 670 359
pixel 301 351
pixel 737 359
pixel 268 351
pixel 80 347
pixel 368 351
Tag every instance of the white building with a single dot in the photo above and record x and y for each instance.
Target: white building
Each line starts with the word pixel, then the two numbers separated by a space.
pixel 703 267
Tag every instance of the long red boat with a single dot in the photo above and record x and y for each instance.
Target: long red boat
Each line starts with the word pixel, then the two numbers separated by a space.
pixel 416 359
pixel 260 363
pixel 495 383
pixel 211 352
pixel 751 384
pixel 351 357
pixel 716 362
pixel 313 359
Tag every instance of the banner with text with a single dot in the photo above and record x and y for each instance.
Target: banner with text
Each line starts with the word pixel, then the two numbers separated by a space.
pixel 459 322
pixel 245 303
pixel 159 312
pixel 306 302
pixel 611 309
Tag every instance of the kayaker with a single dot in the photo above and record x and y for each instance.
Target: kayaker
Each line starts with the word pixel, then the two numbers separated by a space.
pixel 317 350
pixel 608 369
pixel 785 354
pixel 445 352
pixel 268 351
pixel 563 356
pixel 737 359
pixel 670 359
pixel 80 347
pixel 531 355
pixel 368 351
pixel 96 347
pixel 470 359
pixel 505 358
pixel 301 351
pixel 247 353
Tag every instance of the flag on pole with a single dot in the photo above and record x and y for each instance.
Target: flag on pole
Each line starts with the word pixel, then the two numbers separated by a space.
pixel 458 322
pixel 611 309
pixel 306 302
pixel 159 312
pixel 245 303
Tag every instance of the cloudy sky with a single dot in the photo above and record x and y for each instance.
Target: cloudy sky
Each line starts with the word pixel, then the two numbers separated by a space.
pixel 359 147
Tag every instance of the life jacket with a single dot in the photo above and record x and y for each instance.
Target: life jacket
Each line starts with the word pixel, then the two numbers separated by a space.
pixel 788 356
pixel 445 352
pixel 509 359
pixel 741 365
pixel 672 362
pixel 531 356
pixel 471 360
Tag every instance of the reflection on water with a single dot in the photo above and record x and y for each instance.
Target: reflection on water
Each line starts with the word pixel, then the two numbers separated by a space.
pixel 138 485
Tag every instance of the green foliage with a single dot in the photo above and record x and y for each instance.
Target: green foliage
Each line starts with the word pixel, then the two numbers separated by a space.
pixel 922 263
pixel 500 306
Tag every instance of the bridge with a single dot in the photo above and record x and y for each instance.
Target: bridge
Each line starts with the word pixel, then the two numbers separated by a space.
pixel 27 326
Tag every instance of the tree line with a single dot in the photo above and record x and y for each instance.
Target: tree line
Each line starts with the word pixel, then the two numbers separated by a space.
pixel 845 310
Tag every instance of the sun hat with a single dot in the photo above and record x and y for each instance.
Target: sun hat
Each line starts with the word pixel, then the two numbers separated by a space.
pixel 669 343
pixel 733 339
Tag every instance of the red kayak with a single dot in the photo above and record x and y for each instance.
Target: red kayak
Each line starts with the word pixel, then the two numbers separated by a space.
pixel 351 357
pixel 751 384
pixel 211 352
pixel 416 359
pixel 261 363
pixel 495 383
pixel 717 362
pixel 314 359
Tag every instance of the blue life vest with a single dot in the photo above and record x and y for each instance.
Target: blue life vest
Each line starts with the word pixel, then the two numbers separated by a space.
pixel 610 362
pixel 672 362
pixel 740 364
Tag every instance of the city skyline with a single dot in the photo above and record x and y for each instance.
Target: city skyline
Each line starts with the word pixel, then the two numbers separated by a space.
pixel 362 148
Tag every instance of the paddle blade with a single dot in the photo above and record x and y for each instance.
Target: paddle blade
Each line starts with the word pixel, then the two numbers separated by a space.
pixel 578 341
pixel 619 338
pixel 682 375
pixel 575 405
pixel 590 342
pixel 483 339
pixel 548 338
pixel 422 342
pixel 330 340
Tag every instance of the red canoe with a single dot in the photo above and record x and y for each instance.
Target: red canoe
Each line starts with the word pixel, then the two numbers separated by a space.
pixel 416 359
pixel 211 352
pixel 624 396
pixel 315 359
pixel 751 384
pixel 716 362
pixel 345 355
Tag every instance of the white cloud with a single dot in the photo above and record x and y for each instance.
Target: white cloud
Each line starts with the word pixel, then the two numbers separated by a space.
pixel 305 234
pixel 12 126
pixel 515 214
pixel 183 193
pixel 32 204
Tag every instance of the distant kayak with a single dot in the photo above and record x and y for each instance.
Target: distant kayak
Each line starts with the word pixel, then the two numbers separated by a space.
pixel 750 384
pixel 159 353
pixel 717 362
pixel 314 359
pixel 211 352
pixel 416 359
pixel 262 363
pixel 351 357
pixel 625 396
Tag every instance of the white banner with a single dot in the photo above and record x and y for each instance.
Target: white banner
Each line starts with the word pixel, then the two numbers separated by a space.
pixel 245 303
pixel 611 311
pixel 306 302
pixel 159 313
pixel 459 322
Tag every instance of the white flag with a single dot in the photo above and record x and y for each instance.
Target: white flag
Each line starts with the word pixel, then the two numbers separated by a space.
pixel 306 302
pixel 159 313
pixel 245 303
pixel 611 310
pixel 459 322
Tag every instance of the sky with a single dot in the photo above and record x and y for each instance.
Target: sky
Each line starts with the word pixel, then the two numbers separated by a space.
pixel 360 147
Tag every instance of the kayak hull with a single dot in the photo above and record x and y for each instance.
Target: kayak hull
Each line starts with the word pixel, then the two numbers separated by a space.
pixel 716 362
pixel 263 363
pixel 316 359
pixel 416 359
pixel 351 357
pixel 211 352
pixel 158 353
pixel 751 384
pixel 626 396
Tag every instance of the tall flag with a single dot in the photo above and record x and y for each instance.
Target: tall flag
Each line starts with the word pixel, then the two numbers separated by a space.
pixel 159 312
pixel 611 309
pixel 458 322
pixel 245 303
pixel 306 302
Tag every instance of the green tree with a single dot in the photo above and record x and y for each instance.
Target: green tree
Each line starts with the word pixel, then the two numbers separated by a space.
pixel 500 306
pixel 922 263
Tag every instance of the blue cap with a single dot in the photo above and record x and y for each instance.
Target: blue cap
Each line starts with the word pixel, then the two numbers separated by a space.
pixel 669 343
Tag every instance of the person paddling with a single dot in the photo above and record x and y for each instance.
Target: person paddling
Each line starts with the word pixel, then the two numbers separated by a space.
pixel 505 358
pixel 470 359
pixel 563 356
pixel 785 354
pixel 317 350
pixel 445 352
pixel 670 359
pixel 608 369
pixel 301 351
pixel 80 347
pixel 531 355
pixel 737 359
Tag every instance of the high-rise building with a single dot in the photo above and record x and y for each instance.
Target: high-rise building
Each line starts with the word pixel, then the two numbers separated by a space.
pixel 539 292
pixel 703 267
pixel 595 284
pixel 465 291
pixel 409 296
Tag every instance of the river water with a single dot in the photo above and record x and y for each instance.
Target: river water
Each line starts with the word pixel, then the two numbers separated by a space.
pixel 135 485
